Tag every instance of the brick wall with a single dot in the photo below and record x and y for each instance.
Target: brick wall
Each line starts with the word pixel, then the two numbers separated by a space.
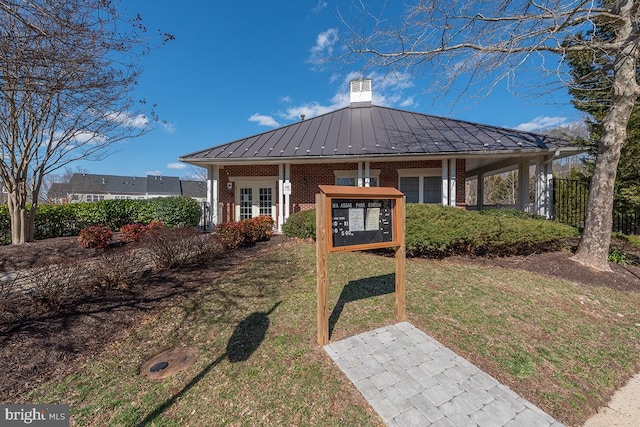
pixel 305 179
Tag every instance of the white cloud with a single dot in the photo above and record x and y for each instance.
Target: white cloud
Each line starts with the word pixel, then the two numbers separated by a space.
pixel 286 99
pixel 176 166
pixel 263 120
pixel 168 127
pixel 540 123
pixel 319 6
pixel 154 173
pixel 325 43
pixel 125 119
pixel 408 102
pixel 388 90
pixel 88 138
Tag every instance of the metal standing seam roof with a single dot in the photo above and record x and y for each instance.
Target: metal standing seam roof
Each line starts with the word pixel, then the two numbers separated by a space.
pixel 377 131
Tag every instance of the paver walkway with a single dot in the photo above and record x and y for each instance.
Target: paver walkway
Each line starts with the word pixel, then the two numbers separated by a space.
pixel 411 379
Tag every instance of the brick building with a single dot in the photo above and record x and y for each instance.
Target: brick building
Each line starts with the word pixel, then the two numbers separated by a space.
pixel 426 157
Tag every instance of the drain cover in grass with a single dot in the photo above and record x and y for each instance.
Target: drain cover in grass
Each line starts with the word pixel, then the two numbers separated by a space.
pixel 169 362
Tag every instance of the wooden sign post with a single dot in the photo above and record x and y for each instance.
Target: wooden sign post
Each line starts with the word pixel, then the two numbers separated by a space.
pixel 354 219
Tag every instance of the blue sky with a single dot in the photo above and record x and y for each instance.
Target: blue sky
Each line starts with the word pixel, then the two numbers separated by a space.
pixel 240 68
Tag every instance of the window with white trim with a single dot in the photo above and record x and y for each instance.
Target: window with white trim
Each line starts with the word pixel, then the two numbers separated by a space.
pixel 350 178
pixel 421 185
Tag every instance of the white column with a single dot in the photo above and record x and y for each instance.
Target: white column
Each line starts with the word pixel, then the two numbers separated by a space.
pixel 360 180
pixel 523 186
pixel 280 220
pixel 212 193
pixel 367 175
pixel 543 186
pixel 452 183
pixel 287 197
pixel 445 182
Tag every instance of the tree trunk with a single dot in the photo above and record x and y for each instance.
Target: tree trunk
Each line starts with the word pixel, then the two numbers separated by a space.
pixel 19 218
pixel 593 250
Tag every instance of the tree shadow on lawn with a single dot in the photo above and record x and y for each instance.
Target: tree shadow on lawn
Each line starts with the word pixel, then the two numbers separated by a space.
pixel 361 289
pixel 245 340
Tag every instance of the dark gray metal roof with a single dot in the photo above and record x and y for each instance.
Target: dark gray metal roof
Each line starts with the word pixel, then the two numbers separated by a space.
pixel 369 131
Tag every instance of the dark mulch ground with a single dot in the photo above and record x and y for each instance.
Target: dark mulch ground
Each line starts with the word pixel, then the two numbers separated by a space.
pixel 35 347
pixel 558 264
pixel 39 346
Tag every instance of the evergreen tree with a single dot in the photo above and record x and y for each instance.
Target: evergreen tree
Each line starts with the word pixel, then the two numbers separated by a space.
pixel 593 77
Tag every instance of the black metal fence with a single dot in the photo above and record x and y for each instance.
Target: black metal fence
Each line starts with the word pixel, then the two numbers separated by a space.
pixel 569 206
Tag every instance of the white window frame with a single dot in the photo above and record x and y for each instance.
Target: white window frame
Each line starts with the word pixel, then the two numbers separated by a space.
pixel 420 174
pixel 373 173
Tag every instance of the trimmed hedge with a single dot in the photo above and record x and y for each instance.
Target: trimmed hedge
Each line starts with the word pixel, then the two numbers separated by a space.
pixel 301 224
pixel 68 220
pixel 439 231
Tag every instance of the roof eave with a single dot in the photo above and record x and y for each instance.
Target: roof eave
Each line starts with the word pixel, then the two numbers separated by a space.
pixel 204 161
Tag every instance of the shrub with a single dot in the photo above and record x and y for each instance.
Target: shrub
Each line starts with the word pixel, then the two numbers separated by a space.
pixel 301 225
pixel 132 233
pixel 511 213
pixel 231 234
pixel 69 219
pixel 258 229
pixel 5 225
pixel 55 286
pixel 97 236
pixel 178 211
pixel 234 235
pixel 176 247
pixel 438 231
pixel 153 225
pixel 120 269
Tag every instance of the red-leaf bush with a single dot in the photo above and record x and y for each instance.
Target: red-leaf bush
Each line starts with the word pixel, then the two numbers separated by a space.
pixel 96 236
pixel 154 225
pixel 234 235
pixel 231 234
pixel 261 228
pixel 132 233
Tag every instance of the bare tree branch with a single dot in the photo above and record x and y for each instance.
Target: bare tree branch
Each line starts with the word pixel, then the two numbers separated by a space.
pixel 476 44
pixel 67 73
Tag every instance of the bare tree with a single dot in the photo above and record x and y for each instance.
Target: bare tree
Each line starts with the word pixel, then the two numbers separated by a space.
pixel 480 43
pixel 67 73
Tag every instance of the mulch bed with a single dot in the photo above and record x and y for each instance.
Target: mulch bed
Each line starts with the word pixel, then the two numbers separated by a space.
pixel 40 346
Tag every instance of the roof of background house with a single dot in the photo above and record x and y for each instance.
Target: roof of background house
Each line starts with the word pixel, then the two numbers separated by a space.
pixel 163 185
pixel 366 130
pixel 84 183
pixel 194 188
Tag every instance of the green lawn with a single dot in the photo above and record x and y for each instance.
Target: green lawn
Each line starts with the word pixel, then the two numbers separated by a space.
pixel 563 346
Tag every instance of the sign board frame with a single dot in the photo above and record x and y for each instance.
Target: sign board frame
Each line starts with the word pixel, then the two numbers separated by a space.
pixel 336 207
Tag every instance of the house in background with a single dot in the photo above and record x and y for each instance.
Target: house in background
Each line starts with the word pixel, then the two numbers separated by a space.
pixel 92 188
pixel 428 158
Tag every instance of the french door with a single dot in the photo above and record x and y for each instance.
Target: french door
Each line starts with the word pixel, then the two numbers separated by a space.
pixel 254 200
